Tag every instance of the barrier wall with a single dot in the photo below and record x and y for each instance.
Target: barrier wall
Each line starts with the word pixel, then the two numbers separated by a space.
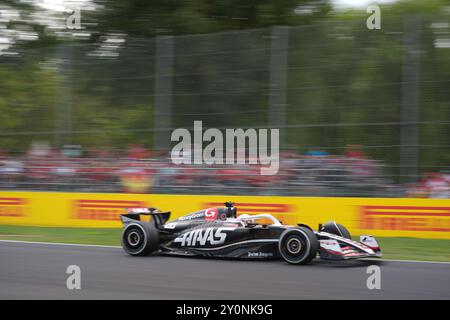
pixel 422 218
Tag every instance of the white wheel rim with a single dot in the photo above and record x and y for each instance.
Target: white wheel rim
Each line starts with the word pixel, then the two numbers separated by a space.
pixel 294 245
pixel 133 238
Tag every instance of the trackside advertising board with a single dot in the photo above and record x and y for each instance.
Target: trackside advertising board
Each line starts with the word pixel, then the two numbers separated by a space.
pixel 421 218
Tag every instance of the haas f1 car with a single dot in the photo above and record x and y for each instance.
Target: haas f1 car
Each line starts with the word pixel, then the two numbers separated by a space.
pixel 221 233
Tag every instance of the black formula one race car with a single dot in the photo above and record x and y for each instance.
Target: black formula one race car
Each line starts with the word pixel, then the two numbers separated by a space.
pixel 219 232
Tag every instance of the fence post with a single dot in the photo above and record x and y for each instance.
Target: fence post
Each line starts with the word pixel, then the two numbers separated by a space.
pixel 63 103
pixel 163 92
pixel 278 79
pixel 410 105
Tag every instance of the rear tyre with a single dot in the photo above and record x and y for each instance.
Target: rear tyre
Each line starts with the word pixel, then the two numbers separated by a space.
pixel 337 229
pixel 298 246
pixel 140 239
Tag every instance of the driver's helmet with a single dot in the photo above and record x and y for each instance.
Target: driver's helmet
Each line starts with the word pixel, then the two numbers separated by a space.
pixel 232 212
pixel 229 212
pixel 231 209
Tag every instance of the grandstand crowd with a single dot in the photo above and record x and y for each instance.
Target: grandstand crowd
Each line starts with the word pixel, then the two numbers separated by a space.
pixel 140 170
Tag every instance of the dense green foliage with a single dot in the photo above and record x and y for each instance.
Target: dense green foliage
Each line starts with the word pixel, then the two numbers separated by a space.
pixel 342 77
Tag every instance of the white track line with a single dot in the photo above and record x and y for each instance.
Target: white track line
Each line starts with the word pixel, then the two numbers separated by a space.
pixel 415 261
pixel 62 244
pixel 119 247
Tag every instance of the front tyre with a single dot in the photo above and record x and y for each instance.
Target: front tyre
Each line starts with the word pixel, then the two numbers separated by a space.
pixel 298 246
pixel 337 229
pixel 140 239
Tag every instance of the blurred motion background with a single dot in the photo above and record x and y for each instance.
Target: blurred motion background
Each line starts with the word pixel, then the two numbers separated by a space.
pixel 361 112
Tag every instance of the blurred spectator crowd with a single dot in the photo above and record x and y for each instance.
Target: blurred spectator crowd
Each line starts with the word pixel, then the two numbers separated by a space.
pixel 139 170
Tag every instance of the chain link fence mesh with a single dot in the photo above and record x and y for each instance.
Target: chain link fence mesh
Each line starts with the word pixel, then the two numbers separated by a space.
pixel 361 112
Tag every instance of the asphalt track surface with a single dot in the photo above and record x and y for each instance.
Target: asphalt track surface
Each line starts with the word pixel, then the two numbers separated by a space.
pixel 38 271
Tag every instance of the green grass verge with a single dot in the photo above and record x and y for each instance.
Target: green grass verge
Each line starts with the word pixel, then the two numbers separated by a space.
pixel 63 235
pixel 393 248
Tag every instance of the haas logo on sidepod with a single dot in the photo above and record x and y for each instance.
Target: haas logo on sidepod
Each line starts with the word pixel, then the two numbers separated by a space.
pixel 202 237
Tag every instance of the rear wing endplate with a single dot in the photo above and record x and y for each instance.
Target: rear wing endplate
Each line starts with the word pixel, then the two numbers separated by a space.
pixel 158 217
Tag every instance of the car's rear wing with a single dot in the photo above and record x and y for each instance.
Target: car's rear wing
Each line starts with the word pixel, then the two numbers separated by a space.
pixel 158 217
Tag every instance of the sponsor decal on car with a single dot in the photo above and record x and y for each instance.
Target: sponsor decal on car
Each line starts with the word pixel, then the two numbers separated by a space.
pixel 202 237
pixel 369 241
pixel 170 225
pixel 330 245
pixel 405 218
pixel 211 214
pixel 235 225
pixel 259 254
pixel 102 209
pixel 138 210
pixel 12 207
pixel 192 216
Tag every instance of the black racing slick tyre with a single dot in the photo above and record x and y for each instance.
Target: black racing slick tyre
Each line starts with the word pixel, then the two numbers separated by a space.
pixel 140 239
pixel 337 229
pixel 298 246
